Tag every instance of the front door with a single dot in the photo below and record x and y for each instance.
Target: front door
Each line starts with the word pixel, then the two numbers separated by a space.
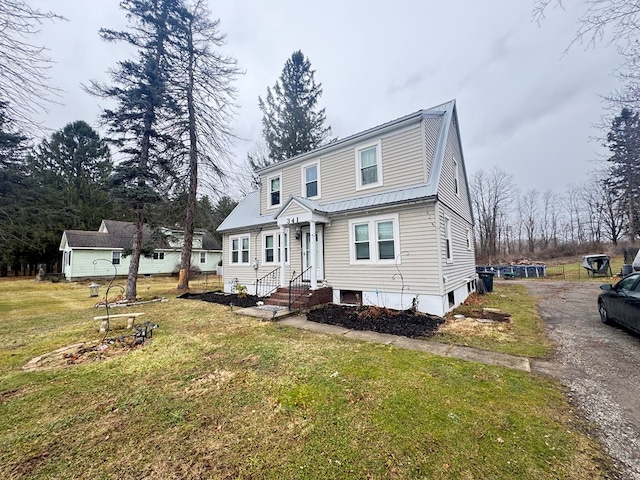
pixel 306 252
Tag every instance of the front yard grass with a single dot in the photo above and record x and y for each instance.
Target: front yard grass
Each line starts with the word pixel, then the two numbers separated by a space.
pixel 524 335
pixel 217 395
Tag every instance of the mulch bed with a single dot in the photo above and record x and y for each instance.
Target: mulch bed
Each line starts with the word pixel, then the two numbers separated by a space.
pixel 223 298
pixel 376 319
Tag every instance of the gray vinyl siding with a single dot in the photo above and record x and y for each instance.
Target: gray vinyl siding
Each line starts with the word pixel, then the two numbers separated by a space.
pixel 245 273
pixel 290 184
pixel 294 209
pixel 460 203
pixel 403 164
pixel 432 126
pixel 462 268
pixel 419 268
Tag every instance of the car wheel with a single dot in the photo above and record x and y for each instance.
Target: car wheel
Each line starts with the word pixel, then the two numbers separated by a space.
pixel 604 315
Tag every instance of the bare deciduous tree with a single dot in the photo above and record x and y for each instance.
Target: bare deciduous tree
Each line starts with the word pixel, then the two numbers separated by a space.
pixel 491 193
pixel 24 79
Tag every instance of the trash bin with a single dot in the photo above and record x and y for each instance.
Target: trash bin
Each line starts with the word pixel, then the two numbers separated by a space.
pixel 627 269
pixel 487 279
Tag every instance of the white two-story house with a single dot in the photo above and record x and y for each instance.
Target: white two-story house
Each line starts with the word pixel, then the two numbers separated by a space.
pixel 382 217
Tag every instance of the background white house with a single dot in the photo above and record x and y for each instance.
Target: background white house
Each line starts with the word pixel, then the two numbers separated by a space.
pixel 82 251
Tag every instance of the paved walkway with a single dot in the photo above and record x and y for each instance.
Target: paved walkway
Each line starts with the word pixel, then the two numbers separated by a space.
pixel 445 350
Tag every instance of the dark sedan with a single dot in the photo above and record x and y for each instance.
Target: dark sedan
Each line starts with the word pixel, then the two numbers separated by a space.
pixel 620 303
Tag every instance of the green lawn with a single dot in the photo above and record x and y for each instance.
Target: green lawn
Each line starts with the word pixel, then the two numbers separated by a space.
pixel 217 395
pixel 524 335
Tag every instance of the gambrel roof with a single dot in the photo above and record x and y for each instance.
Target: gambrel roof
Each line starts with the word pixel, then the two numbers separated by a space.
pixel 247 213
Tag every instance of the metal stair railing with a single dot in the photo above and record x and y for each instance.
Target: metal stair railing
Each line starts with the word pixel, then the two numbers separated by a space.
pixel 298 287
pixel 268 284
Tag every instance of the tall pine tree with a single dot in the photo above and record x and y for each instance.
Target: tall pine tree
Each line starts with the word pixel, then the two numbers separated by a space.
pixel 623 140
pixel 143 106
pixel 291 121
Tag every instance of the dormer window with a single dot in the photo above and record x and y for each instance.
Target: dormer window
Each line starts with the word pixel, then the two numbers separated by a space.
pixel 311 181
pixel 274 190
pixel 368 166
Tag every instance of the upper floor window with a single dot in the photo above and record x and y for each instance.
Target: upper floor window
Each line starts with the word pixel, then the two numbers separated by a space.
pixel 311 181
pixel 374 239
pixel 115 258
pixel 447 239
pixel 274 190
pixel 456 177
pixel 368 166
pixel 239 250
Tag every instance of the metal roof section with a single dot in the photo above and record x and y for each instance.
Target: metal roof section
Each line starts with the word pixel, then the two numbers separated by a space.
pixel 246 213
pixel 359 137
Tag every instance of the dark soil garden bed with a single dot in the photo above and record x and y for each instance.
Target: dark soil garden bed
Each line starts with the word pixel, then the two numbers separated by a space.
pixel 223 298
pixel 376 319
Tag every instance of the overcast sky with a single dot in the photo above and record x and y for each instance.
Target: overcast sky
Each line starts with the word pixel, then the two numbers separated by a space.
pixel 522 105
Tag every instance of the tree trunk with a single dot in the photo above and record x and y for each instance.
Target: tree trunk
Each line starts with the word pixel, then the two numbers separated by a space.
pixel 189 223
pixel 136 250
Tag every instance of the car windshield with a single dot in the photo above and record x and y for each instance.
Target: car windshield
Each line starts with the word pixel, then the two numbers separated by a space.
pixel 627 283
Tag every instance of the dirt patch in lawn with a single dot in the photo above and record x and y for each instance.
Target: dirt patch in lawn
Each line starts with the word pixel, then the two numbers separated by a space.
pixel 223 298
pixel 377 319
pixel 85 352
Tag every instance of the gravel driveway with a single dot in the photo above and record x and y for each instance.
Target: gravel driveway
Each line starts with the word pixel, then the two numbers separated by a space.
pixel 598 363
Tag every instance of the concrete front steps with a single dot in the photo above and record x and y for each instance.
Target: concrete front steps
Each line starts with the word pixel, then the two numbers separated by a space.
pixel 303 298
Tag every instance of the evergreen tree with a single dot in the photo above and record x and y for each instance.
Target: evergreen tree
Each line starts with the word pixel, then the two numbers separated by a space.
pixel 143 106
pixel 13 191
pixel 76 163
pixel 623 140
pixel 291 123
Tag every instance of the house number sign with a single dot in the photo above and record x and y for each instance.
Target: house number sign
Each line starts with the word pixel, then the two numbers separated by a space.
pixel 292 220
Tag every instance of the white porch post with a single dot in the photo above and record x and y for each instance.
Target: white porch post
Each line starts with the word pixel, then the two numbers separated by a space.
pixel 282 259
pixel 313 255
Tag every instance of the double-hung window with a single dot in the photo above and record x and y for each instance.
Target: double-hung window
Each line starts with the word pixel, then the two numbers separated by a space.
pixel 362 241
pixel 239 250
pixel 115 258
pixel 374 239
pixel 275 187
pixel 203 257
pixel 271 247
pixel 368 166
pixel 158 255
pixel 386 243
pixel 311 181
pixel 447 239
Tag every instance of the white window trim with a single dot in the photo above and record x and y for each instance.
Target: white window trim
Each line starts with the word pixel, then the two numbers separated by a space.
pixel 304 179
pixel 269 178
pixel 119 258
pixel 469 240
pixel 239 238
pixel 448 238
pixel 456 177
pixel 203 255
pixel 365 146
pixel 373 240
pixel 276 247
pixel 156 256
